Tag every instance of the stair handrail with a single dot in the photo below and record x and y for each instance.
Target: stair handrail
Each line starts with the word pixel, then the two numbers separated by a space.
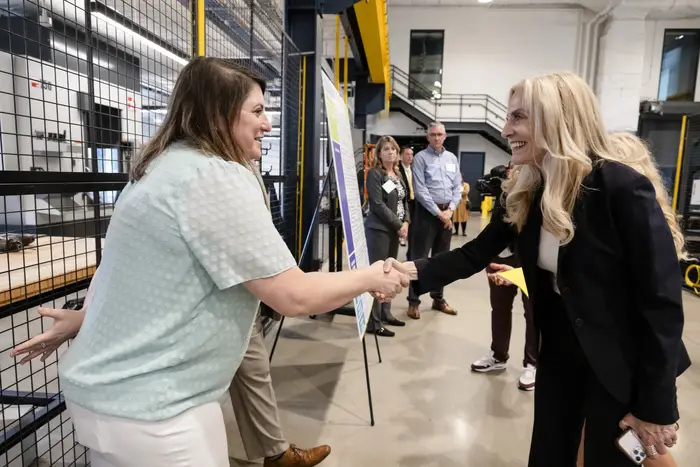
pixel 495 111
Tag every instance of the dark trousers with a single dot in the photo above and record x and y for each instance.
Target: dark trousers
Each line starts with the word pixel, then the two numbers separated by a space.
pixel 428 235
pixel 502 299
pixel 458 225
pixel 381 245
pixel 411 211
pixel 568 392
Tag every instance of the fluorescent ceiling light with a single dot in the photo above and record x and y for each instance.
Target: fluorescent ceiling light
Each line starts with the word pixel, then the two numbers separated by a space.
pixel 485 1
pixel 140 38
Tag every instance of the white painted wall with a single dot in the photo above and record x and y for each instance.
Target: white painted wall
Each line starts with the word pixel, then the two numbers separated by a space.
pixel 620 73
pixel 395 124
pixel 476 143
pixel 488 50
pixel 629 66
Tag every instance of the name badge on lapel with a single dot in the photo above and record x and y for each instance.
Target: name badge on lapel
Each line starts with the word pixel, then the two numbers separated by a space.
pixel 452 168
pixel 389 186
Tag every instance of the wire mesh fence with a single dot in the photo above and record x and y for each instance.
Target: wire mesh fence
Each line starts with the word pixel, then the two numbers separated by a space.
pixel 83 85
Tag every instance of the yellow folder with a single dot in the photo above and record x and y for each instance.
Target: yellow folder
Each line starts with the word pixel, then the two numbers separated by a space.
pixel 516 277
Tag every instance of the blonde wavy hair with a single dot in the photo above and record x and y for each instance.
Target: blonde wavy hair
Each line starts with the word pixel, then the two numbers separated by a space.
pixel 567 125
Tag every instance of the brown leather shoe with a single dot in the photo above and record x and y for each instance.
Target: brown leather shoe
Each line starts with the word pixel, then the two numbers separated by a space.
pixel 296 457
pixel 441 305
pixel 413 312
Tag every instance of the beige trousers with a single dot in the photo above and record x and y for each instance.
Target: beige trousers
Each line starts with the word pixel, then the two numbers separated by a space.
pixel 253 427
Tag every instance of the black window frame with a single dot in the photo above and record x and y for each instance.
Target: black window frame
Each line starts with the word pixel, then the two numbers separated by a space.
pixel 688 96
pixel 416 89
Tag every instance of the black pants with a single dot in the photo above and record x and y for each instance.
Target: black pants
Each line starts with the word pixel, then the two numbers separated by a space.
pixel 502 299
pixel 381 245
pixel 428 235
pixel 412 212
pixel 567 393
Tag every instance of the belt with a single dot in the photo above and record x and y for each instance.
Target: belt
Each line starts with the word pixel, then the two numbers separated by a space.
pixel 442 207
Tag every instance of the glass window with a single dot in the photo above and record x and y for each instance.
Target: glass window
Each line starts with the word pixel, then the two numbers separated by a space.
pixel 425 66
pixel 679 65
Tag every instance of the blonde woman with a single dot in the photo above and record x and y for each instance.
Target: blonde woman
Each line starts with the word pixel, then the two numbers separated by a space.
pixel 387 221
pixel 586 210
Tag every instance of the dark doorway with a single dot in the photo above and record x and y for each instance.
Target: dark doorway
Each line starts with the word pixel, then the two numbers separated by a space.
pixel 471 165
pixel 108 132
pixel 452 144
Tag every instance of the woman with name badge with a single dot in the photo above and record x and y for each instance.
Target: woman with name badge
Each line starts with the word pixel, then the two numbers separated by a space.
pixel 387 221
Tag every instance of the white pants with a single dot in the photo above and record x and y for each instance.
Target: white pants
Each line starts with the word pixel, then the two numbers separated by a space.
pixel 195 438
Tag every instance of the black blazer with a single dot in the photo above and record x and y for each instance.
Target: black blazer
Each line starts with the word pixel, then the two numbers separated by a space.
pixel 382 205
pixel 619 280
pixel 405 179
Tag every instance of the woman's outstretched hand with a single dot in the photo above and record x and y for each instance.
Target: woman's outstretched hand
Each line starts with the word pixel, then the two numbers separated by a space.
pixel 389 280
pixel 407 267
pixel 66 324
pixel 494 277
pixel 392 266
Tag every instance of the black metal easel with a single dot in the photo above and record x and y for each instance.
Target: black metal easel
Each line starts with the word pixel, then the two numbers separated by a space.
pixel 335 264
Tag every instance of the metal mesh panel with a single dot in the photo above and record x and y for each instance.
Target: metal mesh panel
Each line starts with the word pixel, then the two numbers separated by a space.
pixel 253 36
pixel 83 85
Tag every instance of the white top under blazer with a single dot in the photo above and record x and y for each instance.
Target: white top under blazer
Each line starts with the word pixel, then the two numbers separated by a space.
pixel 549 255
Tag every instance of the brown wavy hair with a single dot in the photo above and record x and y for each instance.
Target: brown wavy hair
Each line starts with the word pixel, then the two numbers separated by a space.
pixel 383 141
pixel 203 110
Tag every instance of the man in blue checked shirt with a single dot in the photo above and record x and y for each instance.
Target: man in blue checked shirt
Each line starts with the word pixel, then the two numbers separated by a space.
pixel 437 183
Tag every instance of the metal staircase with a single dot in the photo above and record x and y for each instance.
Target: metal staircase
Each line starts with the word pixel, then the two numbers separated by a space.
pixel 460 113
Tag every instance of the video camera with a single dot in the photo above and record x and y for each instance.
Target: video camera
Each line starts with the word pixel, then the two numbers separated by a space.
pixel 490 184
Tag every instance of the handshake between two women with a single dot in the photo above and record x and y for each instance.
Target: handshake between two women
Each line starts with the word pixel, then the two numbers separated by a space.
pixel 394 277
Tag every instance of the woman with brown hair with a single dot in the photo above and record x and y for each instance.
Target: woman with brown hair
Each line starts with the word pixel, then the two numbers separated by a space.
pixel 387 221
pixel 190 252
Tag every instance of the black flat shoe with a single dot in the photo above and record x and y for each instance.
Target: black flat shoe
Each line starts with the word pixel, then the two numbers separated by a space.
pixel 395 322
pixel 382 332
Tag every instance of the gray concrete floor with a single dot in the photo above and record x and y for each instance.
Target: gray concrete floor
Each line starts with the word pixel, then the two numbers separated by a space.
pixel 430 409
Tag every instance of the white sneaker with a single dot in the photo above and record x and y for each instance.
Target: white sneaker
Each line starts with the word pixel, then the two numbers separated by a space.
pixel 488 363
pixel 527 378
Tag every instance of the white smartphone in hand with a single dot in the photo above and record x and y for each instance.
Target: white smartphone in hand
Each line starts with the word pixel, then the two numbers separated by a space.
pixel 630 444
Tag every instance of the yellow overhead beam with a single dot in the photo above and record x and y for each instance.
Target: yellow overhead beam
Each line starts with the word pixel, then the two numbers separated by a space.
pixel 373 24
